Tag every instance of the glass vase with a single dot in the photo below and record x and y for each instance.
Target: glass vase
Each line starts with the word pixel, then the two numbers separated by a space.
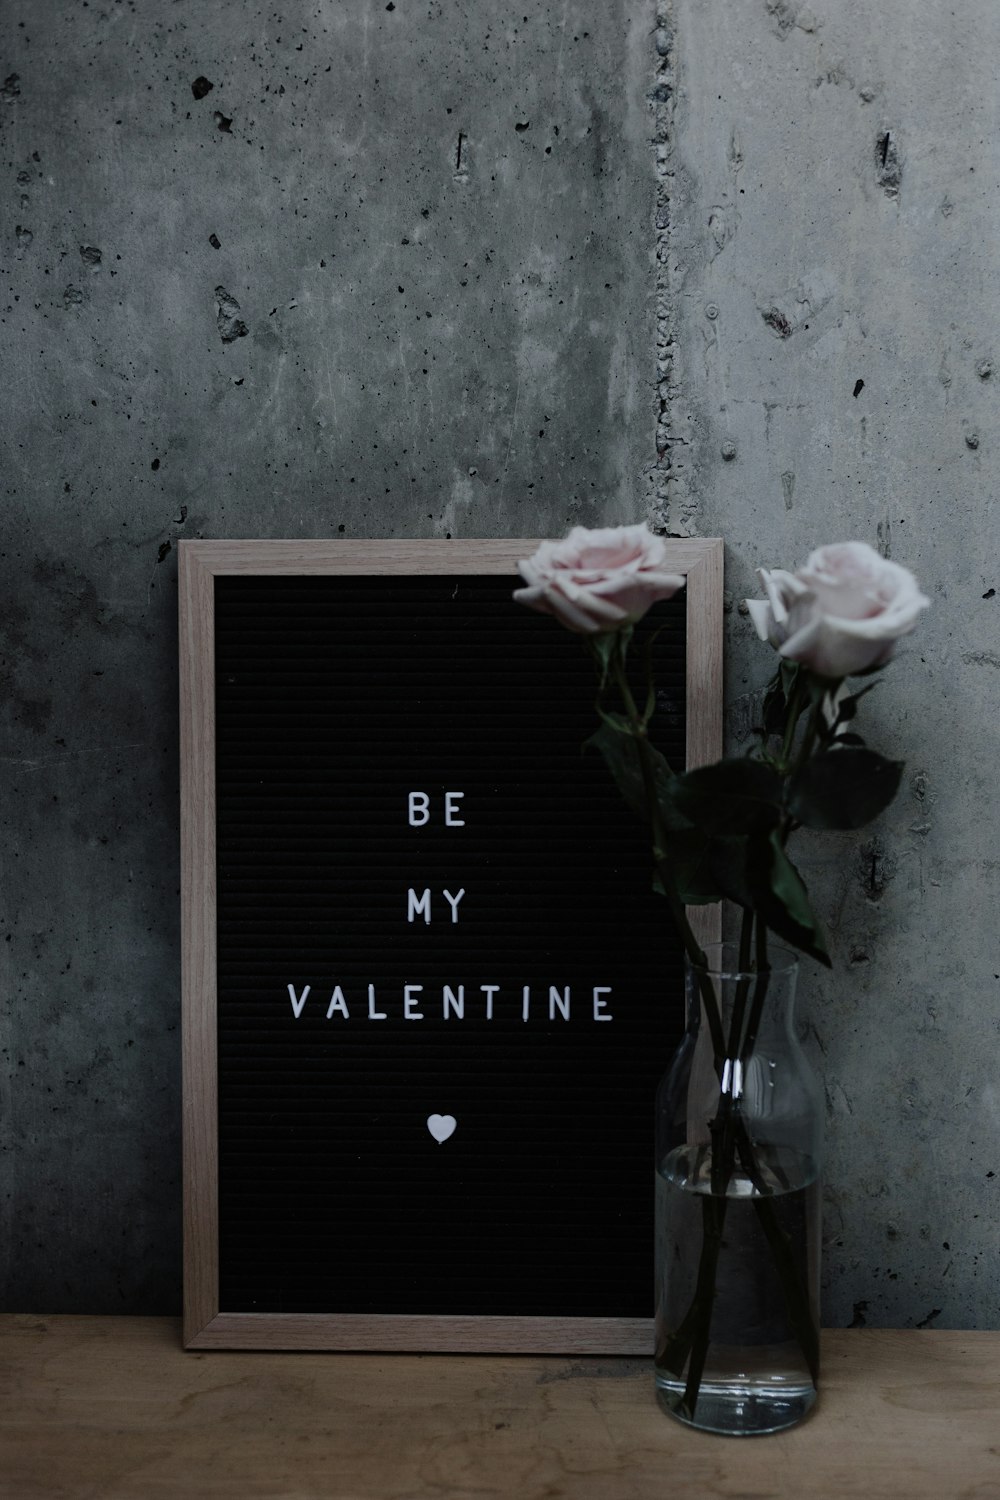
pixel 739 1123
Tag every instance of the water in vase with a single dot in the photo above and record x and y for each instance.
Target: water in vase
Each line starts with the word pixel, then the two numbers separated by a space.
pixel 737 1284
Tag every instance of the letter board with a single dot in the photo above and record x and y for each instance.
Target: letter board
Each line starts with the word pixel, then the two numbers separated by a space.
pixel 428 989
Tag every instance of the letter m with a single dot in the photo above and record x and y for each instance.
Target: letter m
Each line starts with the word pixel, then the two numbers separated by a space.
pixel 418 907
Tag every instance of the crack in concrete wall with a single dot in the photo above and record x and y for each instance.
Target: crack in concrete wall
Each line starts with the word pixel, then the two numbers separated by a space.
pixel 488 275
pixel 834 286
pixel 662 101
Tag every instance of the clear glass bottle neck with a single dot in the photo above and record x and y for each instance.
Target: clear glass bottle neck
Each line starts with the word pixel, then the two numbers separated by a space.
pixel 741 1008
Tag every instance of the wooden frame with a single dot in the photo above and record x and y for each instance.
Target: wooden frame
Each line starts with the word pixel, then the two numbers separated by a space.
pixel 200 562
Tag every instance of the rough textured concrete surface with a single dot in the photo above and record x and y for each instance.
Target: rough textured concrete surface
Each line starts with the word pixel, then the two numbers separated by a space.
pixel 325 269
pixel 357 268
pixel 835 280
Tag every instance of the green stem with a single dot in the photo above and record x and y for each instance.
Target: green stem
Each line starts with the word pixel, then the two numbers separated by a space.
pixel 713 1219
pixel 761 983
pixel 800 1313
pixel 809 738
pixel 790 765
pixel 672 1355
pixel 729 1132
pixel 731 1137
pixel 743 986
pixel 791 720
pixel 692 947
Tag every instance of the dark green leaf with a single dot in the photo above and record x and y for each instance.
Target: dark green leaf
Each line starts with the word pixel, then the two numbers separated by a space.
pixel 774 705
pixel 614 720
pixel 615 742
pixel 783 691
pixel 844 787
pixel 848 707
pixel 689 854
pixel 789 673
pixel 730 797
pixel 756 873
pixel 787 910
pixel 729 860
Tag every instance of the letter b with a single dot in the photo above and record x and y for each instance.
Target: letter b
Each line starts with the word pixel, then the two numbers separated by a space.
pixel 419 809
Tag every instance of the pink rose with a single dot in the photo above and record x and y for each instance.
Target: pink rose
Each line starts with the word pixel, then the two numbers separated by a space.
pixel 841 613
pixel 598 580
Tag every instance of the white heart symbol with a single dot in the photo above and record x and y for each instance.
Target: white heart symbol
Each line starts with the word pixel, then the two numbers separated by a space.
pixel 441 1127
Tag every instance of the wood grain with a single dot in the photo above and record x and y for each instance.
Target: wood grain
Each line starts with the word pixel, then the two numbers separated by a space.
pixel 402 555
pixel 200 562
pixel 425 1333
pixel 704 571
pixel 198 938
pixel 113 1409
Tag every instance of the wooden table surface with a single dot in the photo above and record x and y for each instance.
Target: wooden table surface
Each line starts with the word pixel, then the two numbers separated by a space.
pixel 114 1409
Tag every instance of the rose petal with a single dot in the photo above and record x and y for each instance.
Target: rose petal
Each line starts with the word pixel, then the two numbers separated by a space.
pixel 760 614
pixel 598 580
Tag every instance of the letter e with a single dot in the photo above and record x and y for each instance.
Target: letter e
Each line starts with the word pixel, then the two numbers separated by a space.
pixel 410 1002
pixel 601 1005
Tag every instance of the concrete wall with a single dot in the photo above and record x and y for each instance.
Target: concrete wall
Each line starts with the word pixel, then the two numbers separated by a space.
pixel 835 270
pixel 488 269
pixel 391 275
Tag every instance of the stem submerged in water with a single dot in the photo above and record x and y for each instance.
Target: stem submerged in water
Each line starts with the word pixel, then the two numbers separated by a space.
pixel 687 1347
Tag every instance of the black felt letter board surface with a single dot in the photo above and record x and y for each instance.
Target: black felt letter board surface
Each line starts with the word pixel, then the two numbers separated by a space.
pixel 446 988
